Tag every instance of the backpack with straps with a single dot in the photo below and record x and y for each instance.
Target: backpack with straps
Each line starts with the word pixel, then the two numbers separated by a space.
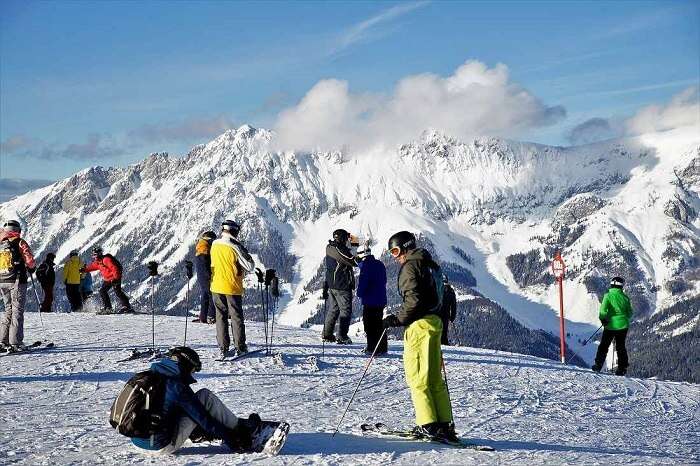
pixel 436 273
pixel 116 263
pixel 137 410
pixel 10 260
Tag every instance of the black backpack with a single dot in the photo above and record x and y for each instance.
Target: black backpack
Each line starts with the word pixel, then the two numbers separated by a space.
pixel 117 264
pixel 137 410
pixel 10 260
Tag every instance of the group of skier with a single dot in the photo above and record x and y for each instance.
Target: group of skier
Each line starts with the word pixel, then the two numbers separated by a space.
pixel 428 305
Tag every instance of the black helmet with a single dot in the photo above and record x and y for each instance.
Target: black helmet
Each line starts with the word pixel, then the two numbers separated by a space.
pixel 13 225
pixel 340 236
pixel 208 235
pixel 403 240
pixel 97 252
pixel 187 359
pixel 231 226
pixel 617 282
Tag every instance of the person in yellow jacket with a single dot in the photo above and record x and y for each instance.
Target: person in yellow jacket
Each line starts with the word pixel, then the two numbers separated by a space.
pixel 230 261
pixel 71 278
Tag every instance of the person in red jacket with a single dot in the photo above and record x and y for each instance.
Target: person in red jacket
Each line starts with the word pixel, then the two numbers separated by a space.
pixel 111 272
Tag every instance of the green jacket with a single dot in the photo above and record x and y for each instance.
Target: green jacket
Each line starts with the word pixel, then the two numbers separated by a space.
pixel 615 309
pixel 416 287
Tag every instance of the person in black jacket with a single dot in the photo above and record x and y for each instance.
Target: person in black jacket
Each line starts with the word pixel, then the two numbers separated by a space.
pixel 46 275
pixel 202 262
pixel 449 308
pixel 422 355
pixel 340 281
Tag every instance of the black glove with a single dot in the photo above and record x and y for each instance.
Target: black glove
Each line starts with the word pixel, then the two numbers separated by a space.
pixel 391 321
pixel 31 270
pixel 605 320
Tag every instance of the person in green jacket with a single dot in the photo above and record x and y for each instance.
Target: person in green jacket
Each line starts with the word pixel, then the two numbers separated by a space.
pixel 422 355
pixel 615 314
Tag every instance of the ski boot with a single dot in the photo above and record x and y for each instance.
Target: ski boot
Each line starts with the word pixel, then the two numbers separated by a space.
pixel 596 367
pixel 344 340
pixel 211 320
pixel 621 371
pixel 328 338
pixel 241 351
pixel 446 431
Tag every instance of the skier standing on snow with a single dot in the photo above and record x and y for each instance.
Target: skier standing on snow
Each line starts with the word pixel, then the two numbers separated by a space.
pixel 449 308
pixel 230 261
pixel 111 271
pixel 422 355
pixel 340 281
pixel 371 289
pixel 189 415
pixel 202 262
pixel 71 278
pixel 85 285
pixel 16 263
pixel 615 313
pixel 46 276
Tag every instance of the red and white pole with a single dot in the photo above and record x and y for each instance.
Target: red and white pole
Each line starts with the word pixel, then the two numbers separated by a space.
pixel 558 268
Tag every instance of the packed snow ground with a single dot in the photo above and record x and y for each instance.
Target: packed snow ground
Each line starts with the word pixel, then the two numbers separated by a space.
pixel 54 405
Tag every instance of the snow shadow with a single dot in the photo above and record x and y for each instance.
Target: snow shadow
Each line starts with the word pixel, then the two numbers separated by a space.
pixel 310 443
pixel 504 445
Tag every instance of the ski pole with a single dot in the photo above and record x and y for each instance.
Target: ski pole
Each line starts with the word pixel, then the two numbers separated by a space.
pixel 323 339
pixel 36 295
pixel 591 337
pixel 447 387
pixel 188 273
pixel 358 383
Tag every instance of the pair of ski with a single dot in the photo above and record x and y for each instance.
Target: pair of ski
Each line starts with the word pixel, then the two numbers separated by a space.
pixel 149 353
pixel 382 429
pixel 33 348
pixel 238 356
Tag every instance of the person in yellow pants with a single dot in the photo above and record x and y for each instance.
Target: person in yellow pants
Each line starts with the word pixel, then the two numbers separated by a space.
pixel 422 355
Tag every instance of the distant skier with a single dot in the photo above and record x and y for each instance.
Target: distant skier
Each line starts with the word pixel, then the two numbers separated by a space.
pixel 16 263
pixel 71 278
pixel 422 355
pixel 230 261
pixel 615 314
pixel 202 262
pixel 85 285
pixel 340 281
pixel 111 270
pixel 371 289
pixel 188 415
pixel 46 276
pixel 449 308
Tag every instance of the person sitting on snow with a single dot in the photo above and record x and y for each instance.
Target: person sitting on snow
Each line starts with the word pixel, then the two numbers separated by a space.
pixel 189 415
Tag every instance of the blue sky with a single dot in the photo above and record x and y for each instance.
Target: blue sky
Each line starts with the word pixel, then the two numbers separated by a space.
pixel 86 83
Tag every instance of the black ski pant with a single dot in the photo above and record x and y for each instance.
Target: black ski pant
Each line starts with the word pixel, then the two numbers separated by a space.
pixel 206 308
pixel 47 303
pixel 74 297
pixel 229 306
pixel 121 296
pixel 608 336
pixel 340 310
pixel 445 328
pixel 374 327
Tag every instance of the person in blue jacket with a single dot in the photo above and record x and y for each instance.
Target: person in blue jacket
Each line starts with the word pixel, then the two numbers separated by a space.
pixel 189 415
pixel 371 289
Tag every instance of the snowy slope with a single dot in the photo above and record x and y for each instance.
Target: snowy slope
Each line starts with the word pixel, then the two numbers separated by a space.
pixel 54 405
pixel 623 207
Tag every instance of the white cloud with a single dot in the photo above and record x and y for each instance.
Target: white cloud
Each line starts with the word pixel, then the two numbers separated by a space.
pixel 364 29
pixel 682 110
pixel 475 100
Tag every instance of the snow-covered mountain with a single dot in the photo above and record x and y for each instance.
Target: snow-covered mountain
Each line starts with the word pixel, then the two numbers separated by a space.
pixel 492 209
pixel 55 404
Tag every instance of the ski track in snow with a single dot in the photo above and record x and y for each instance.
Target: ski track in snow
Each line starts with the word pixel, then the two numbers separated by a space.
pixel 54 404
